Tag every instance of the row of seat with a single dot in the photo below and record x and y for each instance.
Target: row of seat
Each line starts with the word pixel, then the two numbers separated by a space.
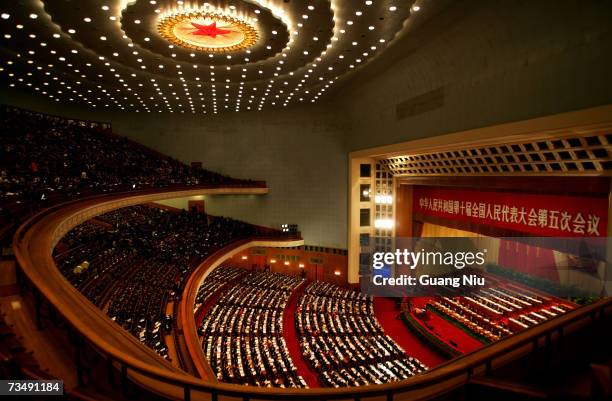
pixel 333 323
pixel 242 335
pixel 132 261
pixel 343 341
pixel 214 281
pixel 47 160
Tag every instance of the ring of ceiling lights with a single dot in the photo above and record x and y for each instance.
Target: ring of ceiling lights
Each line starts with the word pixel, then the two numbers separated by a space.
pixel 108 54
pixel 146 35
pixel 207 31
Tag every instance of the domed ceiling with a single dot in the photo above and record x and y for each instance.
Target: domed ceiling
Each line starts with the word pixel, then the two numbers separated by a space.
pixel 192 56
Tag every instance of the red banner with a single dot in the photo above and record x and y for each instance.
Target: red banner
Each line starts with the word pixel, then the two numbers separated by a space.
pixel 544 215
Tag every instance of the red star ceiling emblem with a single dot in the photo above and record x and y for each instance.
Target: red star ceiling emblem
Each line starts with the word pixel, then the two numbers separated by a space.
pixel 209 30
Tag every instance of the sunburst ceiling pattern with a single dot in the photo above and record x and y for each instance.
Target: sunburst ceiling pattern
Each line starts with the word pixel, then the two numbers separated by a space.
pixel 228 55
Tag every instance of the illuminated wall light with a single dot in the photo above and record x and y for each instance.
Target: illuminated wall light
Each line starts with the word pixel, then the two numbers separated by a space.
pixel 286 263
pixel 301 265
pixel 383 224
pixel 244 257
pixel 337 272
pixel 272 260
pixel 383 199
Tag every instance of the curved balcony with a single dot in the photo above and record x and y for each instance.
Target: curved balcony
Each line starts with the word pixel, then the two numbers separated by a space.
pixel 33 245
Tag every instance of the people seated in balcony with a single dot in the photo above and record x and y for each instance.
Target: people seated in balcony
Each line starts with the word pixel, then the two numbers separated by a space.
pixel 130 262
pixel 47 158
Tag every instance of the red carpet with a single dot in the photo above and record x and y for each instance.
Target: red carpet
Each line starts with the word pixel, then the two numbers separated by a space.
pixel 291 337
pixel 385 311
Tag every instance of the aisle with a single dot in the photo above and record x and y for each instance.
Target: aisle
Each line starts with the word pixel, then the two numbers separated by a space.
pixel 291 337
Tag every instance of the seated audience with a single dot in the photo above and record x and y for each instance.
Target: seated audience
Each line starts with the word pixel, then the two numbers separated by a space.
pixel 46 159
pixel 342 340
pixel 130 262
pixel 242 335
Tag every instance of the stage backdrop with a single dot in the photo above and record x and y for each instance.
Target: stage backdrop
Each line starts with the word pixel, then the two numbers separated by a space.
pixel 543 215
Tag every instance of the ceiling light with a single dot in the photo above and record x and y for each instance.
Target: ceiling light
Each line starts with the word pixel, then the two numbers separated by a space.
pixel 137 21
pixel 358 13
pixel 33 16
pixel 392 8
pixel 102 37
pixel 5 16
pixel 415 8
pixel 87 19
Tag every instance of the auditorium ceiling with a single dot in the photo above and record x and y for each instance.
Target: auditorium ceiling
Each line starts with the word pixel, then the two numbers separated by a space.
pixel 194 56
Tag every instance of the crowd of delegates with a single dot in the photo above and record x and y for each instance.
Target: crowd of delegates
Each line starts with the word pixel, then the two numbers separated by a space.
pixel 497 312
pixel 342 340
pixel 45 158
pixel 130 261
pixel 242 334
pixel 214 281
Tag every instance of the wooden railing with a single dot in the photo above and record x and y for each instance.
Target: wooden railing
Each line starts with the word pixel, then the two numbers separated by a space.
pixel 34 242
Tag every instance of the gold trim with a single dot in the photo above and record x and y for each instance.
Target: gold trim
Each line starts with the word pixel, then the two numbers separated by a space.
pixel 167 23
